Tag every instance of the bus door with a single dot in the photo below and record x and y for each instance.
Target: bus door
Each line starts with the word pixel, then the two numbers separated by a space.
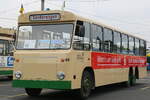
pixel 81 45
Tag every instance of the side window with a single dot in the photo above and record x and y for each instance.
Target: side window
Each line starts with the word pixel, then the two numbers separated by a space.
pixel 117 42
pixel 108 43
pixel 86 37
pixel 96 38
pixel 131 45
pixel 137 45
pixel 4 48
pixel 1 48
pixel 142 48
pixel 82 36
pixel 124 47
pixel 10 48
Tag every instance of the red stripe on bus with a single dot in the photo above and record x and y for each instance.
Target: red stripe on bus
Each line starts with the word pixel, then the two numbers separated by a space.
pixel 108 60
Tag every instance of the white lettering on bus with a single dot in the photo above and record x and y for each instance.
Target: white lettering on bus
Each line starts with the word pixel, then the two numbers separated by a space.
pixel 132 60
pixel 101 59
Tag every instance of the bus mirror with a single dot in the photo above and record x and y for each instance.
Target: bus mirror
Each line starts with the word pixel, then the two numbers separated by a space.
pixel 82 31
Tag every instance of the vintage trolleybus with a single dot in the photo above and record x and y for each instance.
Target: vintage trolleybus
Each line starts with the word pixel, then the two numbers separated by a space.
pixel 60 50
pixel 6 51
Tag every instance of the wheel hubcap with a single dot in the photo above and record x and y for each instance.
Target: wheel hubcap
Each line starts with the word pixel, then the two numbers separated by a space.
pixel 86 86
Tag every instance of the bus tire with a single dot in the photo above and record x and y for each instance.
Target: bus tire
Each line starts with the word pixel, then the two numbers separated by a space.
pixel 10 77
pixel 33 91
pixel 131 78
pixel 86 84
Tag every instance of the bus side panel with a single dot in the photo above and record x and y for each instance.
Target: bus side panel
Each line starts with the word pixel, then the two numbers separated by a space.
pixel 113 68
pixel 140 62
pixel 6 65
pixel 109 68
pixel 80 60
pixel 142 72
pixel 109 76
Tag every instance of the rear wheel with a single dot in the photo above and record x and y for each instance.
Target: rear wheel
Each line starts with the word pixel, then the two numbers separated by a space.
pixel 86 84
pixel 131 79
pixel 33 91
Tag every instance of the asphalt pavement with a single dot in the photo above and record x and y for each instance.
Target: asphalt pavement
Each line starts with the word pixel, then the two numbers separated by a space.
pixel 141 91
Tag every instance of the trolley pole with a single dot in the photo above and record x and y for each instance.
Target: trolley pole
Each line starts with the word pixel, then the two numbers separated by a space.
pixel 42 4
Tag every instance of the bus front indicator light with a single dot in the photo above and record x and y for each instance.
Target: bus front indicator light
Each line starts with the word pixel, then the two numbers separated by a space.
pixel 18 74
pixel 62 60
pixel 60 75
pixel 17 60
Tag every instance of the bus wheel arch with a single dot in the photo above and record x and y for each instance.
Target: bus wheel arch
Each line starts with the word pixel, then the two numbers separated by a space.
pixel 33 91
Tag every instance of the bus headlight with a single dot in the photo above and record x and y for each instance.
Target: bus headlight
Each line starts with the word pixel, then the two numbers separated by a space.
pixel 18 74
pixel 60 75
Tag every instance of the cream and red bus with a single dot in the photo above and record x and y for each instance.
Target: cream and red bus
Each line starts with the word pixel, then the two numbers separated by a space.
pixel 6 51
pixel 61 50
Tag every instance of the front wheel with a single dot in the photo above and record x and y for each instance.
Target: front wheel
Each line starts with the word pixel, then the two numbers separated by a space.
pixel 86 85
pixel 10 77
pixel 33 91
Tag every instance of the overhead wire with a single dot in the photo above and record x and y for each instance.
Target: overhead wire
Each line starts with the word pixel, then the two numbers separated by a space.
pixel 87 13
pixel 97 16
pixel 12 19
pixel 12 9
pixel 4 19
pixel 104 17
pixel 113 20
pixel 75 0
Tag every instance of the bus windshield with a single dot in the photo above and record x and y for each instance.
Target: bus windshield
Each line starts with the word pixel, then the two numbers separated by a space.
pixel 52 36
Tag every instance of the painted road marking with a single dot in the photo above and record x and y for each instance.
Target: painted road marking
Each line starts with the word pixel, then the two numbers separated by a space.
pixel 144 88
pixel 5 85
pixel 13 96
pixel 18 95
pixel 2 96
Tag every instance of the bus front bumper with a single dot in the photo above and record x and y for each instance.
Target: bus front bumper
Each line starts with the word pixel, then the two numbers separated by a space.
pixel 42 84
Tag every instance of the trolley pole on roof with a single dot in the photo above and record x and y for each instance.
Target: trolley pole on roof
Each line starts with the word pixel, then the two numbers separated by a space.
pixel 42 4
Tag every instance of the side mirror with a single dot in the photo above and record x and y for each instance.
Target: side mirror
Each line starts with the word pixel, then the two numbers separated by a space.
pixel 82 31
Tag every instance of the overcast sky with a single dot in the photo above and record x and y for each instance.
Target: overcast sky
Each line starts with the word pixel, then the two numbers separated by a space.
pixel 128 15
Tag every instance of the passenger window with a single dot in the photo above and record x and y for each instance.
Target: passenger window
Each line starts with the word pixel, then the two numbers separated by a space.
pixel 108 43
pixel 124 47
pixel 131 45
pixel 82 36
pixel 137 45
pixel 4 48
pixel 142 48
pixel 96 38
pixel 117 42
pixel 86 38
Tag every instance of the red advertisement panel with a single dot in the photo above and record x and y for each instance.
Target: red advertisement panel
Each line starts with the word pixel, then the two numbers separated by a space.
pixel 108 60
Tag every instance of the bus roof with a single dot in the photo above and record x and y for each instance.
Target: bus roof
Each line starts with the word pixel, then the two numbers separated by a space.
pixel 7 31
pixel 7 34
pixel 66 16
